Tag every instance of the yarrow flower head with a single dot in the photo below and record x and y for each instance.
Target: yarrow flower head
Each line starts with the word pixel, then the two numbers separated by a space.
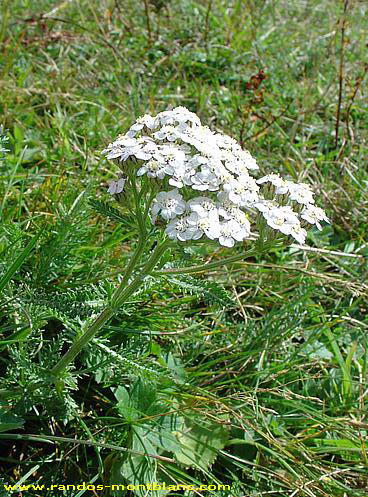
pixel 207 182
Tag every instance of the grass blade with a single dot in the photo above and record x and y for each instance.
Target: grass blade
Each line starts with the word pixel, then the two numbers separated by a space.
pixel 18 261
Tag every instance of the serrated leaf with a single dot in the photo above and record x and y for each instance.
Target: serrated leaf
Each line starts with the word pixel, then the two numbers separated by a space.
pixel 211 291
pixel 151 421
pixel 200 444
pixel 107 210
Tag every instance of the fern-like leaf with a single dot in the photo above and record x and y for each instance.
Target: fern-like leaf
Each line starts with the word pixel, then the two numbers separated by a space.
pixel 212 292
pixel 105 209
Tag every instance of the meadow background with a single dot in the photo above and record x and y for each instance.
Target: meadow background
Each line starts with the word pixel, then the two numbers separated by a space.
pixel 253 376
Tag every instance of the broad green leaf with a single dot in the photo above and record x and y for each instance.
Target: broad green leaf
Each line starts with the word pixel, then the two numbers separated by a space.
pixel 176 367
pixel 19 137
pixel 161 431
pixel 151 420
pixel 316 350
pixel 125 407
pixel 200 444
pixel 122 394
pixel 346 449
pixel 10 422
pixel 139 471
pixel 342 443
pixel 142 396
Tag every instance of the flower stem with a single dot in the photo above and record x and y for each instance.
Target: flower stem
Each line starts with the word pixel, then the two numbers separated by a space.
pixel 120 296
pixel 122 293
pixel 204 267
pixel 77 346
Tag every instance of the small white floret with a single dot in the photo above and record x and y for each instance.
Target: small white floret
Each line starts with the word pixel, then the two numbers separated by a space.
pixel 313 215
pixel 116 186
pixel 168 204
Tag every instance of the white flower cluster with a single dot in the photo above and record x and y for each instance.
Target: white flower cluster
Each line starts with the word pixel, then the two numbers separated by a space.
pixel 176 148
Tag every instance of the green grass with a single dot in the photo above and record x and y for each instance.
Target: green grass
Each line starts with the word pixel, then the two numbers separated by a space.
pixel 266 383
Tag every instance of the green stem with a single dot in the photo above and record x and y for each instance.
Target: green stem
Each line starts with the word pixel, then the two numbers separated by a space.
pixel 133 261
pixel 204 267
pixel 122 293
pixel 120 296
pixel 82 341
pixel 138 212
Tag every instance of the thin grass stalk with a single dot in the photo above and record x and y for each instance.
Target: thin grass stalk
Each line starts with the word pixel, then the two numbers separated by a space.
pixel 148 22
pixel 207 24
pixel 341 71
